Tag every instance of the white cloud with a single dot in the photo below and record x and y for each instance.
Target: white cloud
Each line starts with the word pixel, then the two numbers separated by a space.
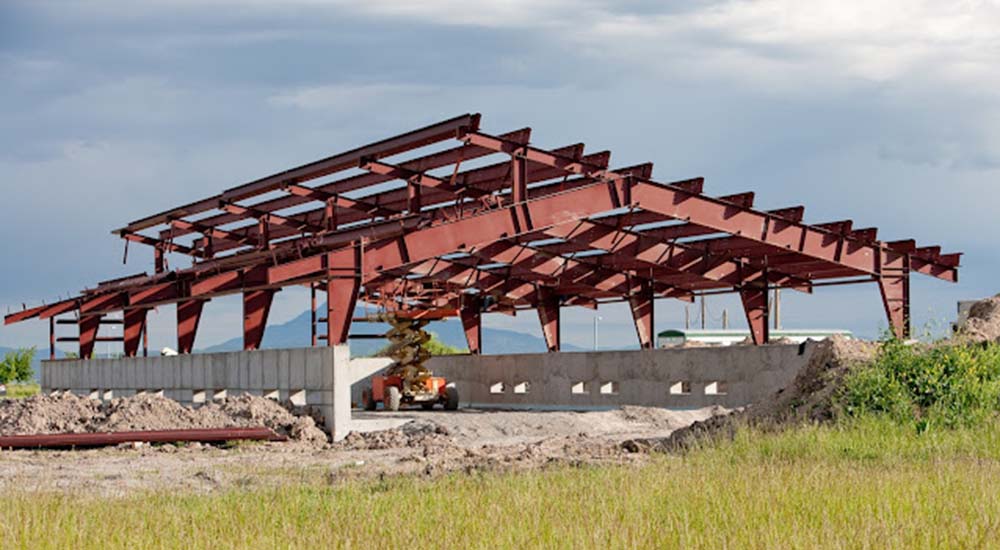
pixel 347 96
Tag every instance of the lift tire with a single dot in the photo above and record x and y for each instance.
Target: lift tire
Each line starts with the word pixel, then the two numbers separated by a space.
pixel 367 402
pixel 451 398
pixel 427 406
pixel 392 398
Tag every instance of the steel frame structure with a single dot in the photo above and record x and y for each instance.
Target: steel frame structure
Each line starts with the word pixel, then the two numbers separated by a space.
pixel 490 223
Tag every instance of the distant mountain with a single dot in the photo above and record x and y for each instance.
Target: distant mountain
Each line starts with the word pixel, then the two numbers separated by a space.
pixel 296 334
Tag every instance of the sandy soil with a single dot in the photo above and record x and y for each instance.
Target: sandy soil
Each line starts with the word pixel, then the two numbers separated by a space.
pixel 425 443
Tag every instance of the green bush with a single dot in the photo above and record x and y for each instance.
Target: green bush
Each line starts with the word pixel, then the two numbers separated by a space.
pixel 434 346
pixel 16 365
pixel 947 385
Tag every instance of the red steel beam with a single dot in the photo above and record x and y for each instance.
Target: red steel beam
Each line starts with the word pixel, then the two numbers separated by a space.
pixel 89 325
pixel 755 306
pixel 404 142
pixel 342 287
pixel 548 315
pixel 894 286
pixel 475 183
pixel 256 306
pixel 641 304
pixel 724 217
pixel 135 326
pixel 188 317
pixel 100 439
pixel 429 162
pixel 472 324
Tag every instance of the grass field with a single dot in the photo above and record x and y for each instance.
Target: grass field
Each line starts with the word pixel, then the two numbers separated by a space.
pixel 17 390
pixel 869 483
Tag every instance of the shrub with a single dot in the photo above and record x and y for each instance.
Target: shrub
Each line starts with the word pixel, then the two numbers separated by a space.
pixel 16 365
pixel 949 385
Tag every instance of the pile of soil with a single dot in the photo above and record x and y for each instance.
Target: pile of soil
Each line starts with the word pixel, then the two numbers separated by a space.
pixel 983 323
pixel 809 397
pixel 414 434
pixel 65 413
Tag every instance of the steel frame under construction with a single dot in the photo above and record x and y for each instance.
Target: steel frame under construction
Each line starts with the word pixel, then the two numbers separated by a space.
pixel 489 223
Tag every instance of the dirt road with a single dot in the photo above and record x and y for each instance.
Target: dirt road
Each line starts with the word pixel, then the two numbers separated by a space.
pixel 421 443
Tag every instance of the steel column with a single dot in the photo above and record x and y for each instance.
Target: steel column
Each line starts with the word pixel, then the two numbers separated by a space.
pixel 52 338
pixel 548 314
pixel 188 316
pixel 894 285
pixel 312 315
pixel 135 327
pixel 256 307
pixel 641 305
pixel 755 305
pixel 88 334
pixel 472 322
pixel 342 286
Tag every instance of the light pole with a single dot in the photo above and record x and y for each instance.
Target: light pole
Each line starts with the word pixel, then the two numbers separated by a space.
pixel 596 319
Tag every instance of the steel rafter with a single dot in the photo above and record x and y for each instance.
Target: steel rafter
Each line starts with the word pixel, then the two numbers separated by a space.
pixel 491 223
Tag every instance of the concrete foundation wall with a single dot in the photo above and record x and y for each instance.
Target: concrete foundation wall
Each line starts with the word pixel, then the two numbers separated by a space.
pixel 326 377
pixel 320 377
pixel 730 376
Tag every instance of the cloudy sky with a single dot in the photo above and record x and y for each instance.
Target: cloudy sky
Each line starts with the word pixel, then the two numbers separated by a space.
pixel 884 112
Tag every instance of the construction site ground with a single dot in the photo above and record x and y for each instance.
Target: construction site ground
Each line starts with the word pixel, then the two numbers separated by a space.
pixel 423 443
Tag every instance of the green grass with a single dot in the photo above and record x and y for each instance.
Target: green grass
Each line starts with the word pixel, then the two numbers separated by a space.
pixel 867 483
pixel 16 390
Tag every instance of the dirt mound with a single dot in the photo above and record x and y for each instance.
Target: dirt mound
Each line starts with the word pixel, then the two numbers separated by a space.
pixel 418 433
pixel 810 397
pixel 70 413
pixel 41 414
pixel 983 323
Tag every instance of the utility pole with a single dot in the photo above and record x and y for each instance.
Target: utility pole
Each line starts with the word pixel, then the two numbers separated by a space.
pixel 687 317
pixel 596 319
pixel 725 319
pixel 704 310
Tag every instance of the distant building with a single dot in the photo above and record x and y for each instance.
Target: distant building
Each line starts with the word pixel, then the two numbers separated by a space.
pixel 679 337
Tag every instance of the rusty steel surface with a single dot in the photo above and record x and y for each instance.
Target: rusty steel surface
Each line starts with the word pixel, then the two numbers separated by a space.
pixel 449 218
pixel 100 439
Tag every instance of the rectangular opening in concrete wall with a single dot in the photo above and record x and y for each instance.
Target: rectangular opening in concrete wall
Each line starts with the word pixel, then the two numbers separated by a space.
pixel 198 396
pixel 522 388
pixel 271 394
pixel 580 388
pixel 609 388
pixel 680 388
pixel 108 395
pixel 297 397
pixel 218 395
pixel 498 387
pixel 94 394
pixel 719 387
